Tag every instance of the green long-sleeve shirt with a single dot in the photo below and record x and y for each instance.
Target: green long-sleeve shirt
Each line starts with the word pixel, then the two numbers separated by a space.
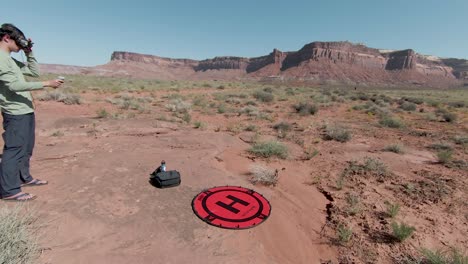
pixel 15 96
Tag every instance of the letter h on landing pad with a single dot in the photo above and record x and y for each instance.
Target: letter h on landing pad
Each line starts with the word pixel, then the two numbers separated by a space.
pixel 230 206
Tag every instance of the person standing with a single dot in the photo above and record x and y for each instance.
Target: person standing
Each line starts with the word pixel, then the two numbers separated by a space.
pixel 18 114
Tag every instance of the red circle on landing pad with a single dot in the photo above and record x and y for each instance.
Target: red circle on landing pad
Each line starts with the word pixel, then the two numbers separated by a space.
pixel 231 207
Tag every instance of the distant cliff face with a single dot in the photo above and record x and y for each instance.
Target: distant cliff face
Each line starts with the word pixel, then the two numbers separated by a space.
pixel 316 61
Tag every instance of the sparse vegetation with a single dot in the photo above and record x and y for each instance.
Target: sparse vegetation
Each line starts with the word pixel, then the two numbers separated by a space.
pixel 444 156
pixel 452 256
pixel 102 113
pixel 338 133
pixel 390 121
pixel 263 175
pixel 199 125
pixel 344 234
pixel 251 128
pixel 353 204
pixel 402 231
pixel 394 148
pixel 179 106
pixel 306 109
pixel 59 96
pixel 408 106
pixel 269 149
pixel 264 96
pixel 310 153
pixel 392 209
pixel 18 235
pixel 57 133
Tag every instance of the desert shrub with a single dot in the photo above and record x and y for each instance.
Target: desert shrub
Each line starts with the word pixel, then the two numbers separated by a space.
pixel 251 128
pixel 268 89
pixel 282 126
pixel 199 124
pixel 453 256
pixel 186 117
pixel 394 148
pixel 58 96
pixel 18 237
pixel 306 108
pixel 264 96
pixel 440 146
pixel 402 231
pixel 459 104
pixel 310 153
pixel 408 106
pixel 460 140
pixel 178 106
pixel 200 101
pixel 58 133
pixel 269 149
pixel 392 122
pixel 344 234
pixel 290 91
pixel 338 133
pixel 375 167
pixel 363 96
pixel 263 175
pixel 444 156
pixel 392 209
pixel 449 117
pixel 353 204
pixel 102 113
pixel 250 111
pixel 413 100
pixel 222 108
pixel 446 115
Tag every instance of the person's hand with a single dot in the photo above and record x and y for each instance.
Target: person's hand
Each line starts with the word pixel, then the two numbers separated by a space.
pixel 52 83
pixel 28 49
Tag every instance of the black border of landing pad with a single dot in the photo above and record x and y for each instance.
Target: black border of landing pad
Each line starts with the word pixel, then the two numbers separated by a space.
pixel 247 190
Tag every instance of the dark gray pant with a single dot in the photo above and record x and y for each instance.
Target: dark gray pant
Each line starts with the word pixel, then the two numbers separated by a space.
pixel 19 143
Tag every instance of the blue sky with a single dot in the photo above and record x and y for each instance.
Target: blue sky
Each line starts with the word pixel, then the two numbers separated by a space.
pixel 86 32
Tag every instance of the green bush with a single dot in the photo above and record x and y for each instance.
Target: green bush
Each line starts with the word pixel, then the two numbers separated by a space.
pixel 269 149
pixel 394 148
pixel 376 167
pixel 102 113
pixel 408 106
pixel 344 234
pixel 306 108
pixel 392 122
pixel 444 156
pixel 392 209
pixel 338 133
pixel 459 104
pixel 18 236
pixel 283 126
pixel 441 257
pixel 264 96
pixel 449 117
pixel 58 96
pixel 402 231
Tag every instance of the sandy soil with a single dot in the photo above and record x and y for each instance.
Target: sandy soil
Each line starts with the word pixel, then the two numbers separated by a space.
pixel 100 208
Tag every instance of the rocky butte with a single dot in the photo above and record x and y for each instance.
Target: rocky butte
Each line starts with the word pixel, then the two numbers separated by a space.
pixel 316 62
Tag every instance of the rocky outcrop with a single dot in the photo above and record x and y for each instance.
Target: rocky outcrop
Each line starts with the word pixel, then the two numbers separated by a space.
pixel 401 60
pixel 459 66
pixel 337 53
pixel 150 59
pixel 220 63
pixel 316 61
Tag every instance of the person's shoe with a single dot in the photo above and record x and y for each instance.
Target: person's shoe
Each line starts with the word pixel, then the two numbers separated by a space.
pixel 20 197
pixel 35 182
